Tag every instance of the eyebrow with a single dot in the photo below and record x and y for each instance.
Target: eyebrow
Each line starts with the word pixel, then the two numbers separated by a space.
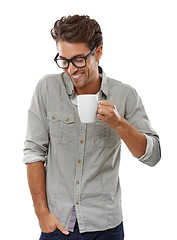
pixel 78 55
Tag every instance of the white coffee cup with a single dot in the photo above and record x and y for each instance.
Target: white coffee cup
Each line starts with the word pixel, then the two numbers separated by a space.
pixel 87 107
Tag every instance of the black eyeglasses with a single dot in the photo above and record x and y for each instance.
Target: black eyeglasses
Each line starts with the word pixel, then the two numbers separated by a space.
pixel 78 62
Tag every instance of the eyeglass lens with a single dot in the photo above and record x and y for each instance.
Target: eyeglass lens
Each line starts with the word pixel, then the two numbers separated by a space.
pixel 78 62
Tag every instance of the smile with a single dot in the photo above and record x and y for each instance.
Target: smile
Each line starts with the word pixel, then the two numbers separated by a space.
pixel 77 77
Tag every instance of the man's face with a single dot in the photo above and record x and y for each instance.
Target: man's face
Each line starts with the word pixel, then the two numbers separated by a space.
pixel 82 78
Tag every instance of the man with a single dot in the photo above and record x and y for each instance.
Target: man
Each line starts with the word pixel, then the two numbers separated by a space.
pixel 73 167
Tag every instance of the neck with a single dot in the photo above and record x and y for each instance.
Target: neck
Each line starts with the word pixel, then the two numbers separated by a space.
pixel 92 88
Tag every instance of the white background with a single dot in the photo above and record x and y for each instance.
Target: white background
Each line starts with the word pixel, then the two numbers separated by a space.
pixel 140 49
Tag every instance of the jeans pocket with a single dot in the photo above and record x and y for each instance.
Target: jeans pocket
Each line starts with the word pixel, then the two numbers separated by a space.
pixel 46 236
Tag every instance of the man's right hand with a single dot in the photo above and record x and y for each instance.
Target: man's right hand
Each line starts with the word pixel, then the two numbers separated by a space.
pixel 37 183
pixel 49 223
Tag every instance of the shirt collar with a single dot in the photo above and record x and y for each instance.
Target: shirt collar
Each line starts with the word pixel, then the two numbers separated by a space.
pixel 105 83
pixel 68 83
pixel 70 87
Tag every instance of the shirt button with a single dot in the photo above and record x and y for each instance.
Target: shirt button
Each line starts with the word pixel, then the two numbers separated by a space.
pixel 82 141
pixel 53 118
pixel 77 182
pixel 79 161
pixel 77 203
pixel 67 120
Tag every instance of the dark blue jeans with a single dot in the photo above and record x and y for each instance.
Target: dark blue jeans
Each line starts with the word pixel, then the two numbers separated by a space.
pixel 116 233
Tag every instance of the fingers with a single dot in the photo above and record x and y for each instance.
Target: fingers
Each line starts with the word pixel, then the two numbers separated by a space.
pixel 106 103
pixel 62 229
pixel 105 108
pixel 49 222
pixel 103 111
pixel 107 112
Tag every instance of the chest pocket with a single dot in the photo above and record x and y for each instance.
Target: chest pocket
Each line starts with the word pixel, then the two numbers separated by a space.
pixel 61 127
pixel 105 136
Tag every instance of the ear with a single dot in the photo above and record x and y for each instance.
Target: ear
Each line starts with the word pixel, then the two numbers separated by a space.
pixel 98 53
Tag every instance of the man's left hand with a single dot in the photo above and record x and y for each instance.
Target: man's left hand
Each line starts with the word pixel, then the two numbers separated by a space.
pixel 107 112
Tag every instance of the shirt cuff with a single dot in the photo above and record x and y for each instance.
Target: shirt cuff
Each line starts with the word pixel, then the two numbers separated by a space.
pixel 149 148
pixel 30 158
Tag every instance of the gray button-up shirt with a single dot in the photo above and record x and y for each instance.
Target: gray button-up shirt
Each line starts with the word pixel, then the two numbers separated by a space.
pixel 82 160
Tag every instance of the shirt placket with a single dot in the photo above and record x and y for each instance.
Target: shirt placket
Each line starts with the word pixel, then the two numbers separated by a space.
pixel 78 176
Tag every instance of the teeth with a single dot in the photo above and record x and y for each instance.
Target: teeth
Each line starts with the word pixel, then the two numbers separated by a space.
pixel 76 76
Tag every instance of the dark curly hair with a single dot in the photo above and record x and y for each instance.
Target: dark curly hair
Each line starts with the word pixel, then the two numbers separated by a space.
pixel 78 29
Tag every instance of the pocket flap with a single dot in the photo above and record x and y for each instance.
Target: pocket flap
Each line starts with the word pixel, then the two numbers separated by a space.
pixel 66 117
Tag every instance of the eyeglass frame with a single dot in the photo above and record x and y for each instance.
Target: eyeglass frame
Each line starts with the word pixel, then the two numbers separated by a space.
pixel 71 60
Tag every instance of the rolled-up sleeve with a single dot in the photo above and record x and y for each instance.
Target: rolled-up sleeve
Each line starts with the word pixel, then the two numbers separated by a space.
pixel 37 139
pixel 137 117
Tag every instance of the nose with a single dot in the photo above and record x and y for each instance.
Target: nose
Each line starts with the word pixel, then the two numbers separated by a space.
pixel 72 69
